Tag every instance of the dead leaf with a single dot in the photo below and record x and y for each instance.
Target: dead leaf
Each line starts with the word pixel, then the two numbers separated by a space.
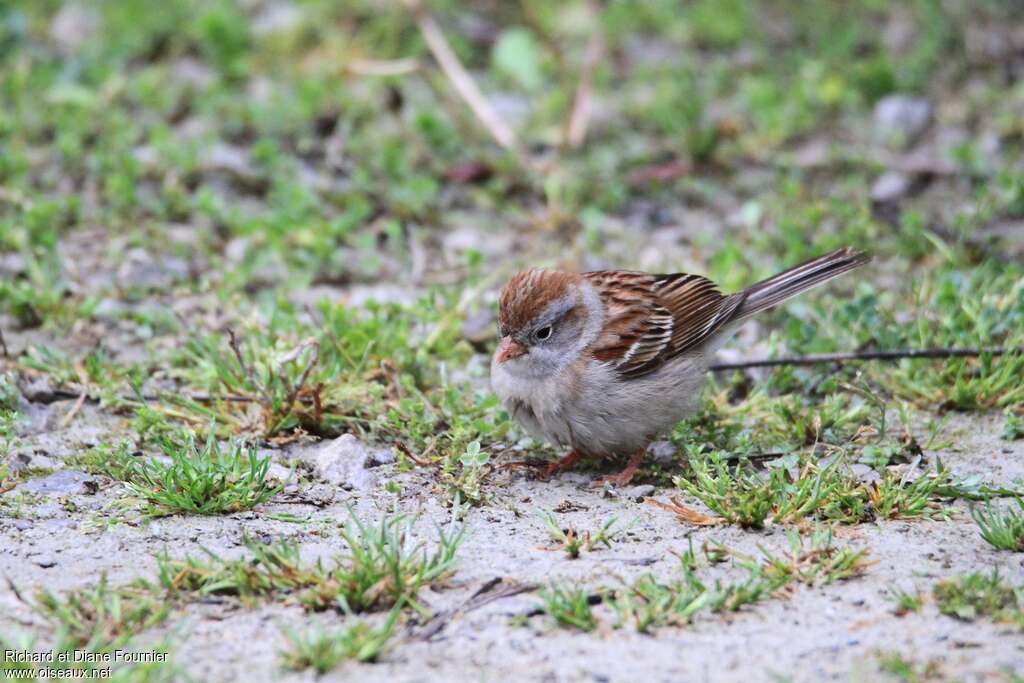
pixel 669 170
pixel 470 172
pixel 686 514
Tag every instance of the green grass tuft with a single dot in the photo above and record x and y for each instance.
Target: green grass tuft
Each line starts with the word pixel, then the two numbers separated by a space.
pixel 202 480
pixel 980 595
pixel 324 651
pixel 1002 528
pixel 569 607
pixel 102 619
pixel 379 568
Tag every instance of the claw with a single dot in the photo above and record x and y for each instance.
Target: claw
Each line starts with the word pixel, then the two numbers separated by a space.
pixel 626 475
pixel 565 463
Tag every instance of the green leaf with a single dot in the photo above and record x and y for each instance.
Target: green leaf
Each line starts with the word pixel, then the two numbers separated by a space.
pixel 516 56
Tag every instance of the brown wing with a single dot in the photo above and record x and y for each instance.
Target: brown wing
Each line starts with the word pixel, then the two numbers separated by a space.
pixel 650 319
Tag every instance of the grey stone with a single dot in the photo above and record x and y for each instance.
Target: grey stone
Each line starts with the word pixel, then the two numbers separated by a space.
pixel 45 561
pixel 865 473
pixel 381 456
pixel 22 524
pixel 279 472
pixel 60 483
pixel 192 72
pixel 234 163
pixel 902 116
pixel 320 495
pixel 638 493
pixel 39 389
pixel 12 265
pixel 661 453
pixel 110 309
pixel 140 269
pixel 276 18
pixel 74 25
pixel 889 187
pixel 360 295
pixel 342 462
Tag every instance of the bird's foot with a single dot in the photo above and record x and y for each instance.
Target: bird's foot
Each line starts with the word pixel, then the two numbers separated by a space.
pixel 626 475
pixel 563 464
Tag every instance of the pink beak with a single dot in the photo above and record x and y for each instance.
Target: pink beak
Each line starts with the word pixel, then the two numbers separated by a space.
pixel 508 349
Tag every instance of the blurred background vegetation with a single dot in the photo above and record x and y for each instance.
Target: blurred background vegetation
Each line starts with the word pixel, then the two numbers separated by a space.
pixel 169 170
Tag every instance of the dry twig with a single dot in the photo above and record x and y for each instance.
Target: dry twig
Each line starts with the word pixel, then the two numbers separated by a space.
pixel 576 131
pixel 80 370
pixel 819 358
pixel 463 83
pixel 686 514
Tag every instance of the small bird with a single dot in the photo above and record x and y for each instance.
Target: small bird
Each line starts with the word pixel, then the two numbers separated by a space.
pixel 603 362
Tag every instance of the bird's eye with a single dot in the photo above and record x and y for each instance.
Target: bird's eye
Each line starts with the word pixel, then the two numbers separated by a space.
pixel 543 333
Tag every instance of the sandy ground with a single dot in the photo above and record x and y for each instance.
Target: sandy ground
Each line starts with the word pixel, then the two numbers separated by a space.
pixel 834 632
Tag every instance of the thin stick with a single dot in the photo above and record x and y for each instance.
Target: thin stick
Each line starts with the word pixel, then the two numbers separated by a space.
pixel 74 409
pixel 3 345
pixel 250 373
pixel 819 358
pixel 461 80
pixel 576 131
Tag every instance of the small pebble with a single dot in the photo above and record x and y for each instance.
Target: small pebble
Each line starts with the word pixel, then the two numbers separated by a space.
pixel 661 453
pixel 638 493
pixel 45 561
pixel 383 456
pixel 891 186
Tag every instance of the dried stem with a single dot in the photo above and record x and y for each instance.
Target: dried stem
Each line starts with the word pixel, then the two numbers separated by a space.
pixel 249 372
pixel 819 358
pixel 463 83
pixel 314 356
pixel 576 131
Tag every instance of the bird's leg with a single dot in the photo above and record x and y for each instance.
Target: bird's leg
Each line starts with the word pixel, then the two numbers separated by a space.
pixel 626 475
pixel 565 463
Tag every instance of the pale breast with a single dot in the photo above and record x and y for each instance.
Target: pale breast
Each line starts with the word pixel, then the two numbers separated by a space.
pixel 598 412
pixel 538 405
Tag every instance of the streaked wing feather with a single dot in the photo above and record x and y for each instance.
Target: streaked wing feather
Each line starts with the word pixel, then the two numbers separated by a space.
pixel 650 319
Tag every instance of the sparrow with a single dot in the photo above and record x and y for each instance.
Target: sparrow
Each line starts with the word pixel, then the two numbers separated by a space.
pixel 603 362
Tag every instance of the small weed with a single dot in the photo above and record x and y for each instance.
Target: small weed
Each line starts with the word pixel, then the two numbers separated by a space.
pixel 15 504
pixel 379 569
pixel 110 460
pixel 9 419
pixel 905 670
pixel 892 497
pixel 979 595
pixel 569 607
pixel 743 497
pixel 648 602
pixel 1002 528
pixel 324 651
pixel 817 562
pixel 906 602
pixel 102 618
pixel 572 541
pixel 1013 427
pixel 749 500
pixel 473 468
pixel 67 660
pixel 203 480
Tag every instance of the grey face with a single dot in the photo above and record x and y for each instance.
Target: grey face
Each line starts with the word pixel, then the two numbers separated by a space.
pixel 552 340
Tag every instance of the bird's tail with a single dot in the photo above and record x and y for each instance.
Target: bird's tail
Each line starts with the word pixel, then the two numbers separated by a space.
pixel 789 283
